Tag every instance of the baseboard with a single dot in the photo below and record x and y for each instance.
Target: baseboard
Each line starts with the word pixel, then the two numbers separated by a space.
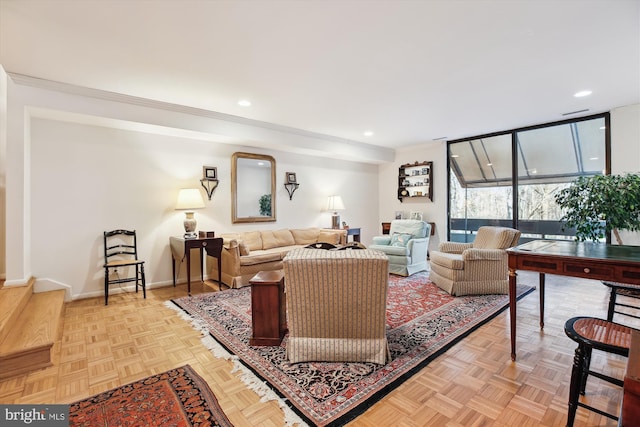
pixel 46 285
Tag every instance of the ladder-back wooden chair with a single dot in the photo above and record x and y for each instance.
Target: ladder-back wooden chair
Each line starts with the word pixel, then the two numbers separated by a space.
pixel 120 255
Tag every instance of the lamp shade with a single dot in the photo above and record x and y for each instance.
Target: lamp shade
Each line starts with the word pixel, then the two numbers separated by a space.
pixel 335 203
pixel 189 199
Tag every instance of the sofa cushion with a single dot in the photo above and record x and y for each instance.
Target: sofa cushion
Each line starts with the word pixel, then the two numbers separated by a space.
pixel 253 239
pixel 277 238
pixel 328 237
pixel 260 258
pixel 305 236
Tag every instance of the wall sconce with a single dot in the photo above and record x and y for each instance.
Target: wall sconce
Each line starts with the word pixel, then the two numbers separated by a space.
pixel 291 184
pixel 209 180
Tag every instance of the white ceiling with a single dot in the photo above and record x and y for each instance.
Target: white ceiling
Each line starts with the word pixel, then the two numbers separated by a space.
pixel 411 71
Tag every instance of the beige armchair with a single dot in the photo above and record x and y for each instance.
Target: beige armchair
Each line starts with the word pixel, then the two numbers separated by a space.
pixel 475 268
pixel 336 305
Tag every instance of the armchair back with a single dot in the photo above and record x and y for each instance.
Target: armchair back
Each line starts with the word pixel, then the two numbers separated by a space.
pixel 489 237
pixel 417 228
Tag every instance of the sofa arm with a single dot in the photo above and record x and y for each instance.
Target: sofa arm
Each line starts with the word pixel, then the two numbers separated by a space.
pixel 454 247
pixel 231 257
pixel 475 254
pixel 381 240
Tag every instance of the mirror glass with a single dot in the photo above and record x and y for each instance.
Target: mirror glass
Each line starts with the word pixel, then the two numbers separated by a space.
pixel 253 186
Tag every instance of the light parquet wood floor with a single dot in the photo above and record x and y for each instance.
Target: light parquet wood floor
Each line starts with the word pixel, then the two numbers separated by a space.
pixel 473 384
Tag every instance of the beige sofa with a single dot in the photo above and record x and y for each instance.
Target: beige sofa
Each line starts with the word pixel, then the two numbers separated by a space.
pixel 245 254
pixel 336 305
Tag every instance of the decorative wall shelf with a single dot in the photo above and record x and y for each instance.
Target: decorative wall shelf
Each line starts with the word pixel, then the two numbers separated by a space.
pixel 415 181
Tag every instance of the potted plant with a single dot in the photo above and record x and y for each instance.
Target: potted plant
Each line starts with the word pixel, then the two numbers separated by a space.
pixel 599 204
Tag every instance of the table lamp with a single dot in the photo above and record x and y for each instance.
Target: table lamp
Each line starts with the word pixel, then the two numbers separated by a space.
pixel 189 199
pixel 335 204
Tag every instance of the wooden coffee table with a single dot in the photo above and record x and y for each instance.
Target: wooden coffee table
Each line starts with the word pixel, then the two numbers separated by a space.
pixel 268 308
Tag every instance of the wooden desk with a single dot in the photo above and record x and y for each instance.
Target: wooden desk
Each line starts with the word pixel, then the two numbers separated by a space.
pixel 181 249
pixel 597 261
pixel 268 308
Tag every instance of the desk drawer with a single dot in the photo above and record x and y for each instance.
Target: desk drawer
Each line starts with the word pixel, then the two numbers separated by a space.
pixel 597 272
pixel 629 275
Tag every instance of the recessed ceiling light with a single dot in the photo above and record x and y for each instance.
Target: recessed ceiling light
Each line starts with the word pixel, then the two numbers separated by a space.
pixel 244 103
pixel 603 127
pixel 455 156
pixel 489 164
pixel 593 158
pixel 582 93
pixel 368 133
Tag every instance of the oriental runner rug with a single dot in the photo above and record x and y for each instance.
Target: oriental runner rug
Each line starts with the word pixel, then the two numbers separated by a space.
pixel 179 397
pixel 423 322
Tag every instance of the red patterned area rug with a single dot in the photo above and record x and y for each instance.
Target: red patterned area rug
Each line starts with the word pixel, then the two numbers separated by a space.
pixel 422 322
pixel 179 397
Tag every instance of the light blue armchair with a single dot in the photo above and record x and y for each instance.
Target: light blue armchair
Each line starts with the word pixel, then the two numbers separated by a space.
pixel 405 245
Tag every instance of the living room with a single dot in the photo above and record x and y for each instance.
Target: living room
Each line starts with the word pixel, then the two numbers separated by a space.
pixel 78 160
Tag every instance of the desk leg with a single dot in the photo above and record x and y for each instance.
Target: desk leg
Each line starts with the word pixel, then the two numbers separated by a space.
pixel 542 279
pixel 512 310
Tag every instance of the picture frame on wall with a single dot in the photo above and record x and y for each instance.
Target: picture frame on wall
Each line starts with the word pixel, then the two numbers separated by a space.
pixel 210 172
pixel 291 178
pixel 399 215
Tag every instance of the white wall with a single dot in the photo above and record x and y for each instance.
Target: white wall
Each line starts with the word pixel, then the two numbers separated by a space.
pixel 86 179
pixel 79 162
pixel 433 211
pixel 625 150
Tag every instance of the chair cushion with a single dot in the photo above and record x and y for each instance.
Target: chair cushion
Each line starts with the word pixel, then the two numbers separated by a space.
pixel 400 239
pixel 489 237
pixel 450 261
pixel 391 250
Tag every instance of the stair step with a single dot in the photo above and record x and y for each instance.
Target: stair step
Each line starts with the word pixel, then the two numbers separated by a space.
pixel 28 345
pixel 13 300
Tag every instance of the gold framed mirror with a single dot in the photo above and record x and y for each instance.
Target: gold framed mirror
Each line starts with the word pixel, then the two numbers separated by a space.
pixel 253 188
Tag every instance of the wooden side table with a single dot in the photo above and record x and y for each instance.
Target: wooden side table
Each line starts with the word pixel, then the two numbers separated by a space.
pixel 268 308
pixel 181 249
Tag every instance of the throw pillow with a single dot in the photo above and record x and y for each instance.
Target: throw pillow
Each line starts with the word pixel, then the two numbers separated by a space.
pixel 244 249
pixel 329 237
pixel 400 239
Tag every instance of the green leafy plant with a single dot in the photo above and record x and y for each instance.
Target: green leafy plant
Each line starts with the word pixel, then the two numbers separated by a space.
pixel 599 204
pixel 265 205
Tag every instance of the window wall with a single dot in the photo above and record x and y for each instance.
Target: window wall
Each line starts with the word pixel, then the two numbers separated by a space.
pixel 511 178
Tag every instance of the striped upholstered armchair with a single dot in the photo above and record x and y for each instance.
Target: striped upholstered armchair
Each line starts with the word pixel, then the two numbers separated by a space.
pixel 475 268
pixel 336 305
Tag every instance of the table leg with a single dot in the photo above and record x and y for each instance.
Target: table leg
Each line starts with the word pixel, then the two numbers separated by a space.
pixel 188 255
pixel 173 265
pixel 201 265
pixel 512 310
pixel 542 280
